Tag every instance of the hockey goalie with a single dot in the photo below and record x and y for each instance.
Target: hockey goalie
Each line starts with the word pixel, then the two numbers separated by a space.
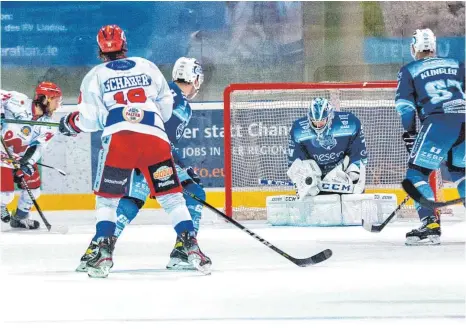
pixel 327 160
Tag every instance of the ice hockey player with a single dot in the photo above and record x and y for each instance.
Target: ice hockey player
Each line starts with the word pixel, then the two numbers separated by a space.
pixel 187 79
pixel 434 88
pixel 129 99
pixel 327 158
pixel 26 143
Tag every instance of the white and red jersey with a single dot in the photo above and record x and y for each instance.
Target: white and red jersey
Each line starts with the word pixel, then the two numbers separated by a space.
pixel 18 137
pixel 125 94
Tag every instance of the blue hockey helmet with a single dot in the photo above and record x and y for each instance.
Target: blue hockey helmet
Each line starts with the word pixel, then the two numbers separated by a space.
pixel 320 114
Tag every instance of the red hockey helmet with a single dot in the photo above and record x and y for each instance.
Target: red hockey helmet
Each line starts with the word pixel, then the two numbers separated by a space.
pixel 111 38
pixel 48 89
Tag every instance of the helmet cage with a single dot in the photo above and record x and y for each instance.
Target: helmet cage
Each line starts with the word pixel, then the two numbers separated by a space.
pixel 320 115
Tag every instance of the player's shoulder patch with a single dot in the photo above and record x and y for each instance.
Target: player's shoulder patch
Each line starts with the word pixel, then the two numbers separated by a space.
pixel 17 99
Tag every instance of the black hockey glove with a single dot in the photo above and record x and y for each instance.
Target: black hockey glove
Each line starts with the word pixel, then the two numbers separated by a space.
pixel 195 177
pixel 25 169
pixel 409 138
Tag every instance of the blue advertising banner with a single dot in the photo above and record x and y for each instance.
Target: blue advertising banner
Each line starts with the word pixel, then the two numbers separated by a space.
pixel 157 30
pixel 396 50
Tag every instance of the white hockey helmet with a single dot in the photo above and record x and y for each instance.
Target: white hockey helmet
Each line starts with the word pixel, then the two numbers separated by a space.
pixel 423 40
pixel 320 114
pixel 188 70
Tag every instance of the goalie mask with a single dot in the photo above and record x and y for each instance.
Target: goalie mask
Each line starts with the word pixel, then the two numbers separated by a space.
pixel 188 70
pixel 423 40
pixel 320 115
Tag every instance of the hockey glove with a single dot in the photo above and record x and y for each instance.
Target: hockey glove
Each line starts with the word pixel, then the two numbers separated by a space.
pixel 195 177
pixel 26 168
pixel 409 138
pixel 68 126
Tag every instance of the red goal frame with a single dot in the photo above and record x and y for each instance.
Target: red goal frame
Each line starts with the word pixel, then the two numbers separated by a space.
pixel 274 86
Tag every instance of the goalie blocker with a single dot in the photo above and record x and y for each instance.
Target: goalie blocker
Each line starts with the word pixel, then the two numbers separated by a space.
pixel 330 209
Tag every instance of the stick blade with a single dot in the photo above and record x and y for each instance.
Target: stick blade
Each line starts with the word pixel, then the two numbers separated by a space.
pixel 371 227
pixel 60 229
pixel 317 258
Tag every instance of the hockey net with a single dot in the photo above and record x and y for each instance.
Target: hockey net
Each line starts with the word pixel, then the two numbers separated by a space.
pixel 258 118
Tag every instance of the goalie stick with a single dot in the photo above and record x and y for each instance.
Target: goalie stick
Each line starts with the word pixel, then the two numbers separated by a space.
pixel 374 228
pixel 412 191
pixel 59 229
pixel 315 259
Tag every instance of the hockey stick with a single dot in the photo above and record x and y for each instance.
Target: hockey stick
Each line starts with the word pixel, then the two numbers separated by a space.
pixel 31 122
pixel 60 229
pixel 374 228
pixel 315 259
pixel 57 169
pixel 409 187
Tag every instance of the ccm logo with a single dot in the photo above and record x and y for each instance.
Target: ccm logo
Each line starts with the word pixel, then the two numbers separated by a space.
pixel 335 187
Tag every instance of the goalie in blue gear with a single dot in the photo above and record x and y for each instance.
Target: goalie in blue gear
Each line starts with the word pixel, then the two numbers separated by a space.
pixel 326 158
pixel 434 88
pixel 333 144
pixel 187 79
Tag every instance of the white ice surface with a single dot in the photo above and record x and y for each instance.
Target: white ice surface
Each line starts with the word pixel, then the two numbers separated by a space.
pixel 371 281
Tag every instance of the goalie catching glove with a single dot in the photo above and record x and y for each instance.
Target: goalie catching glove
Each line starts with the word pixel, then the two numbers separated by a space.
pixel 306 175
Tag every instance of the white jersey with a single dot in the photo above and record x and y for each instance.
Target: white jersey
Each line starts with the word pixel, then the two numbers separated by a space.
pixel 125 94
pixel 19 138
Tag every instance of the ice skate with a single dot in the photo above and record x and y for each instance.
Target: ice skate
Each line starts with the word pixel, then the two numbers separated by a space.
pixel 179 258
pixel 195 256
pixel 6 217
pixel 428 234
pixel 99 266
pixel 24 222
pixel 89 254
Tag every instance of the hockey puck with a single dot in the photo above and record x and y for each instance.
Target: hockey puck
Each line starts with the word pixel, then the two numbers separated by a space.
pixel 308 180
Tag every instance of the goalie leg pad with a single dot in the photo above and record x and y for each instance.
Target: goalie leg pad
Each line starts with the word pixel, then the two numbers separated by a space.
pixel 373 208
pixel 287 210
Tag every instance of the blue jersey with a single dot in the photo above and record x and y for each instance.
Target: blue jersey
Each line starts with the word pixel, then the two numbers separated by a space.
pixel 344 137
pixel 180 118
pixel 429 86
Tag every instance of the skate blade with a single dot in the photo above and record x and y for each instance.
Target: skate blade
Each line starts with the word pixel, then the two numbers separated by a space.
pixel 102 270
pixel 60 229
pixel 176 264
pixel 204 269
pixel 431 240
pixel 82 267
